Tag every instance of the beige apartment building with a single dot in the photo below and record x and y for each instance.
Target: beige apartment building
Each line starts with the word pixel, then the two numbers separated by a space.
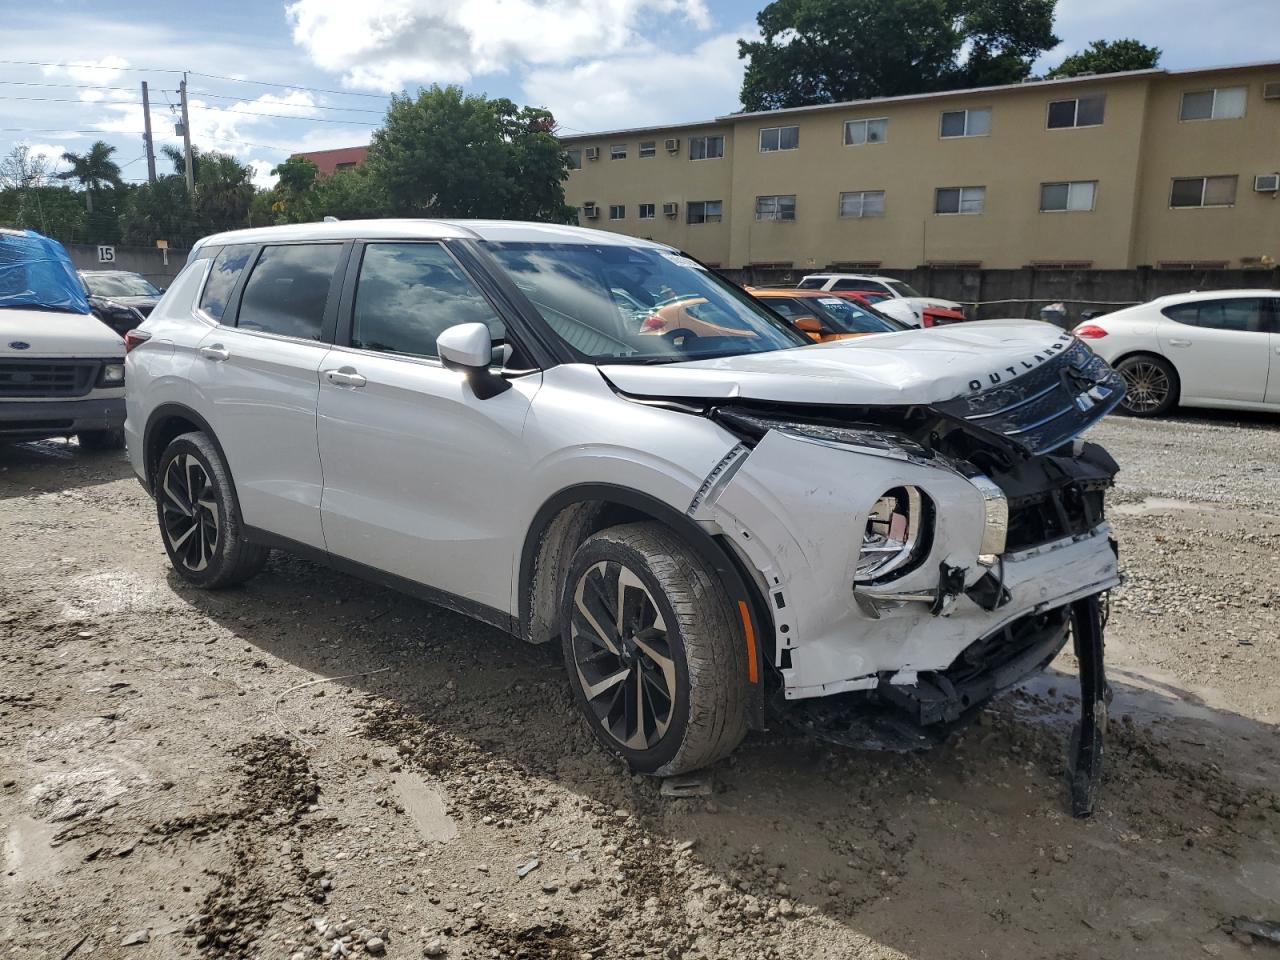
pixel 1166 168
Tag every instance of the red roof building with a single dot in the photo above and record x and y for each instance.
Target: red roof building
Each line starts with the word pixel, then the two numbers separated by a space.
pixel 331 161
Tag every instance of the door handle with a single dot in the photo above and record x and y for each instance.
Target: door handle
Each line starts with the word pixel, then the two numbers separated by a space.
pixel 215 352
pixel 345 378
pixel 1179 342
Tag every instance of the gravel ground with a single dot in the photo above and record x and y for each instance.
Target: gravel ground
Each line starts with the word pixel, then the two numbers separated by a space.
pixel 177 779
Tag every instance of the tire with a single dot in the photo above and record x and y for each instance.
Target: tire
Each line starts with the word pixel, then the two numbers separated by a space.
pixel 1151 385
pixel 100 441
pixel 682 636
pixel 199 517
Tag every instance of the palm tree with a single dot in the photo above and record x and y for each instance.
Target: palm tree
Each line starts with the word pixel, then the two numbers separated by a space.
pixel 93 170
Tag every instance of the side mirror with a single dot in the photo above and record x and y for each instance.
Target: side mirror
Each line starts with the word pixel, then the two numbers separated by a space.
pixel 468 348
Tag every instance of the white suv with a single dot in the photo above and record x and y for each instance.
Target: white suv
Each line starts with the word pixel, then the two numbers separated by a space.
pixel 500 417
pixel 905 302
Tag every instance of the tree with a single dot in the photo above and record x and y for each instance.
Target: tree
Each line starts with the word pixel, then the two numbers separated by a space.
pixel 824 51
pixel 1109 56
pixel 164 210
pixel 94 170
pixel 20 168
pixel 443 154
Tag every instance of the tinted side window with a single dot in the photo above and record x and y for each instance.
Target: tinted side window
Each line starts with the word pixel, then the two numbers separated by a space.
pixel 410 293
pixel 812 284
pixel 222 279
pixel 786 306
pixel 1243 315
pixel 288 289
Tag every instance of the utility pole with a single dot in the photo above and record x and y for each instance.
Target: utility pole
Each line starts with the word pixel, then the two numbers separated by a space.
pixel 146 136
pixel 186 139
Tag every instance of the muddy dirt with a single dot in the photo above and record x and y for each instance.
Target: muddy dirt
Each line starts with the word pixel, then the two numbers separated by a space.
pixel 173 784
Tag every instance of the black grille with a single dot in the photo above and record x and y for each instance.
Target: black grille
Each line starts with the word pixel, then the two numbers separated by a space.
pixel 47 378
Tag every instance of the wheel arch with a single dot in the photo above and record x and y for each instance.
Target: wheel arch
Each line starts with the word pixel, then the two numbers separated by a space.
pixel 1143 352
pixel 568 517
pixel 171 420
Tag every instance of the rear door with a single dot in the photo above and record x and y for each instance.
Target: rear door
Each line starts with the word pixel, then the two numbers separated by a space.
pixel 420 476
pixel 1220 346
pixel 257 377
pixel 1273 381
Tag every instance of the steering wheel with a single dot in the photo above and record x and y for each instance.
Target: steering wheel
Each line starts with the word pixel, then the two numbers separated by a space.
pixel 679 335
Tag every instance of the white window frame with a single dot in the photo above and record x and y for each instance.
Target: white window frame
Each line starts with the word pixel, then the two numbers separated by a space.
pixel 1075 123
pixel 862 205
pixel 618 151
pixel 688 211
pixel 1204 188
pixel 647 149
pixel 1071 186
pixel 653 211
pixel 1213 107
pixel 967 111
pixel 865 123
pixel 774 203
pixel 618 206
pixel 960 200
pixel 706 143
pixel 778 131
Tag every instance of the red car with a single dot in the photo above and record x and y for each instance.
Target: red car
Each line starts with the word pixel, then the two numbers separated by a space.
pixel 933 316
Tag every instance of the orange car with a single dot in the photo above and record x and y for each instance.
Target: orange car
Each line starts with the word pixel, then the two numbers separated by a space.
pixel 822 316
pixel 689 314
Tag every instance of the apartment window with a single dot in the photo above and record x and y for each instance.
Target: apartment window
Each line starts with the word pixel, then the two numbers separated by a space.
pixel 349 165
pixel 1080 112
pixel 1223 103
pixel 779 138
pixel 648 148
pixel 1076 196
pixel 858 132
pixel 776 208
pixel 617 211
pixel 648 211
pixel 1203 192
pixel 862 203
pixel 966 123
pixel 703 211
pixel 960 200
pixel 618 151
pixel 706 148
pixel 575 159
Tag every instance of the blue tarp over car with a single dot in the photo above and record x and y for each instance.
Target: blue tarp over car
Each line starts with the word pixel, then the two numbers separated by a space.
pixel 36 272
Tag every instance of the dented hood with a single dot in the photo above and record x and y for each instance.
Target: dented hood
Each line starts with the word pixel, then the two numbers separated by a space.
pixel 912 367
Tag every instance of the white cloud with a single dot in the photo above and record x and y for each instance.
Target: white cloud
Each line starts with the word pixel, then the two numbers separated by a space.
pixel 650 87
pixel 386 44
pixel 104 70
pixel 262 175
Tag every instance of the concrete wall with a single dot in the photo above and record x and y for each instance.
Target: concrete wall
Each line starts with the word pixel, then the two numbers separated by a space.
pixel 147 261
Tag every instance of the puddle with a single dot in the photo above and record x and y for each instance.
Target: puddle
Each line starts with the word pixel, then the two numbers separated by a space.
pixel 1153 505
pixel 425 807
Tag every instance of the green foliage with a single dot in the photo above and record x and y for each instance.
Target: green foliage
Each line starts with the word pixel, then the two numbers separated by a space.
pixel 56 212
pixel 164 210
pixel 446 154
pixel 824 51
pixel 1109 56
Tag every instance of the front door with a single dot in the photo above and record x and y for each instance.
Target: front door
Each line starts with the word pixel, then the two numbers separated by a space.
pixel 420 477
pixel 1220 346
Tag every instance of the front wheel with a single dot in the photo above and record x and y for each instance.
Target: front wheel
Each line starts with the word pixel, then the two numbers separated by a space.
pixel 654 650
pixel 1151 385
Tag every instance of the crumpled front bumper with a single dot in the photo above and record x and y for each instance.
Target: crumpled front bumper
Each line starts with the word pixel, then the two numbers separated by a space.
pixel 795 510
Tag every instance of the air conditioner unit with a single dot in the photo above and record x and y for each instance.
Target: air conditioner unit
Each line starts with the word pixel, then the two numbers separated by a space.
pixel 1271 91
pixel 593 153
pixel 1267 183
pixel 670 209
pixel 590 211
pixel 673 144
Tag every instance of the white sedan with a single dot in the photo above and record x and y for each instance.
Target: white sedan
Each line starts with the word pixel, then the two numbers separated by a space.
pixel 1217 348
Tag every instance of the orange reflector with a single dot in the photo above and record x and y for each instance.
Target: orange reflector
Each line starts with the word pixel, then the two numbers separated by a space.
pixel 753 673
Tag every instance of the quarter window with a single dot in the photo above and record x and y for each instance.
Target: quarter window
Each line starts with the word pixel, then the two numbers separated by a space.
pixel 966 123
pixel 1077 195
pixel 1203 192
pixel 648 211
pixel 706 148
pixel 410 293
pixel 1080 112
pixel 960 200
pixel 704 211
pixel 858 132
pixel 1242 315
pixel 1222 103
pixel 648 148
pixel 862 203
pixel 618 151
pixel 617 211
pixel 779 138
pixel 223 275
pixel 287 291
pixel 776 208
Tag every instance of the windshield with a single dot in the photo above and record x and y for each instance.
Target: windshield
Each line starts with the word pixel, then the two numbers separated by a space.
pixel 903 289
pixel 639 304
pixel 845 316
pixel 119 285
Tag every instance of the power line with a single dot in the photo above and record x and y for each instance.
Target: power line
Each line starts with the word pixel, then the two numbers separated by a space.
pixel 293 86
pixel 309 106
pixel 71 86
pixel 87 103
pixel 284 116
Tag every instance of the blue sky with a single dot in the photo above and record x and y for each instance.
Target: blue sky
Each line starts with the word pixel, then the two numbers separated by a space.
pixel 597 64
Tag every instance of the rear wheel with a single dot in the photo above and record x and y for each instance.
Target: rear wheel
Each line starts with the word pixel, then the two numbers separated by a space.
pixel 1151 385
pixel 199 517
pixel 97 441
pixel 654 650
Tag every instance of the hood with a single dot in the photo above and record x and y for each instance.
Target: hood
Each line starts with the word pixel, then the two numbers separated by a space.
pixel 896 369
pixel 934 302
pixel 53 333
pixel 144 303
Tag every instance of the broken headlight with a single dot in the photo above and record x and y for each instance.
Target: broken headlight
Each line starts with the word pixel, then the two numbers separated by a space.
pixel 897 534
